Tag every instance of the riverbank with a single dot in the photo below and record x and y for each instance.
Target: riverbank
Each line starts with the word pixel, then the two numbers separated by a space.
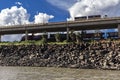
pixel 98 55
pixel 50 73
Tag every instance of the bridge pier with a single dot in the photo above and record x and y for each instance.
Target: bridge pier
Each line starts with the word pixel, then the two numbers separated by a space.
pixel 0 38
pixel 67 36
pixel 118 30
pixel 26 35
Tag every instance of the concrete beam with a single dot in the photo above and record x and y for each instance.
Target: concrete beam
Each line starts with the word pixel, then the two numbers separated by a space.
pixel 118 30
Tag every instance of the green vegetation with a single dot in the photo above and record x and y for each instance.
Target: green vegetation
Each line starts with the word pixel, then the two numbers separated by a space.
pixel 40 42
pixel 29 42
pixel 75 37
pixel 44 38
pixel 78 37
pixel 57 37
pixel 72 36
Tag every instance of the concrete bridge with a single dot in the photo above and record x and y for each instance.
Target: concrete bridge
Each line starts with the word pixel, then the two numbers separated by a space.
pixel 88 24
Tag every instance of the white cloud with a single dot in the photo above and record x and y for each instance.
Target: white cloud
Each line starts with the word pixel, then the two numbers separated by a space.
pixel 14 16
pixel 88 7
pixel 92 7
pixel 42 18
pixel 19 3
pixel 19 15
pixel 63 4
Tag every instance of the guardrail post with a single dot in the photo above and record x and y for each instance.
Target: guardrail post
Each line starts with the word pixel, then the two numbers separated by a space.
pixel 118 30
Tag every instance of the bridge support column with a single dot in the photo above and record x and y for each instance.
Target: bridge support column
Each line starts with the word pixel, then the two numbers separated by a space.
pixel 67 34
pixel 0 38
pixel 118 30
pixel 26 35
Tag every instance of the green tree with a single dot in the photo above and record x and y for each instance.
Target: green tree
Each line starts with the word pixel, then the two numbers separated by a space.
pixel 57 37
pixel 44 38
pixel 78 37
pixel 72 35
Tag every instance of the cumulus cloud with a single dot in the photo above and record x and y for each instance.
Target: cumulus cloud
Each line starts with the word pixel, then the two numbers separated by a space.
pixel 17 16
pixel 93 7
pixel 88 7
pixel 42 18
pixel 14 16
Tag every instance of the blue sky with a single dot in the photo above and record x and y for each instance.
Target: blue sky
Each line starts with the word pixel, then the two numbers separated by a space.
pixel 35 6
pixel 63 9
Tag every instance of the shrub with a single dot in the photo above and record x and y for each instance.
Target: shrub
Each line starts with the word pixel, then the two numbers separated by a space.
pixel 57 37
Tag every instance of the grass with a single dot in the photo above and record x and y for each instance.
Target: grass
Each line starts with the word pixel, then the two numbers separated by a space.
pixel 40 42
pixel 30 42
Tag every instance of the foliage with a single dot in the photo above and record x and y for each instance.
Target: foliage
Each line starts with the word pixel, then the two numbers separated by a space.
pixel 78 37
pixel 44 38
pixel 72 35
pixel 57 37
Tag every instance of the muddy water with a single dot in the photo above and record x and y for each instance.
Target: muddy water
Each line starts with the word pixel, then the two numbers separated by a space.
pixel 40 73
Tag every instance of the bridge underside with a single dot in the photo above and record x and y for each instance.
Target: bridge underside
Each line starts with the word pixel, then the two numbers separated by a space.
pixel 63 29
pixel 60 29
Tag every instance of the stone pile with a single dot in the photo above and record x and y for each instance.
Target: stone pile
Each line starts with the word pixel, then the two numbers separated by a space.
pixel 99 55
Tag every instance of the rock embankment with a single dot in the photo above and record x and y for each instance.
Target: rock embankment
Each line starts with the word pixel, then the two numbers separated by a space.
pixel 104 55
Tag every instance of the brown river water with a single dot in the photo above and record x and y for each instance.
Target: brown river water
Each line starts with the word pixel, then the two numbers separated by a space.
pixel 44 73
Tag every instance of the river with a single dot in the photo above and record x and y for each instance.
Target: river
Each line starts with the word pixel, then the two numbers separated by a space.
pixel 44 73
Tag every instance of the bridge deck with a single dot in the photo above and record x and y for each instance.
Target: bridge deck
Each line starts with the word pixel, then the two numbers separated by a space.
pixel 88 24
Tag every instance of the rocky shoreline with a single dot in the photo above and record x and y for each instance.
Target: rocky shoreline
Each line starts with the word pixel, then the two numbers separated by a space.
pixel 99 55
